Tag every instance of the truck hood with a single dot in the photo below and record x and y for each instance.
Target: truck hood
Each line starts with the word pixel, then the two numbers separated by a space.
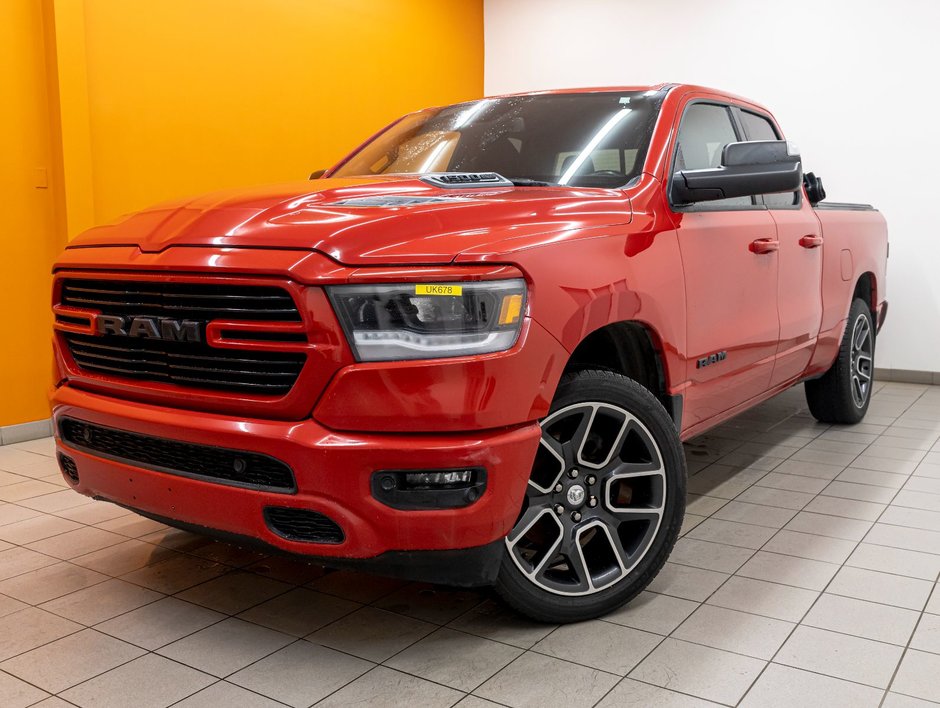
pixel 388 220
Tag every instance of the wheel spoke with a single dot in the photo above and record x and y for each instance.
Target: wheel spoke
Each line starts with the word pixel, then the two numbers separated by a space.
pixel 572 554
pixel 861 334
pixel 548 475
pixel 550 545
pixel 525 523
pixel 625 470
pixel 863 366
pixel 636 514
pixel 574 445
pixel 601 553
pixel 615 515
pixel 614 519
pixel 858 388
pixel 612 444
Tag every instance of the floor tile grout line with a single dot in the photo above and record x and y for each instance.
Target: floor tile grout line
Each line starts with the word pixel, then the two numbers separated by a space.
pixel 626 676
pixel 89 678
pixel 290 644
pixel 659 640
pixel 125 663
pixel 907 646
pixel 29 683
pixel 522 653
pixel 757 614
pixel 823 591
pixel 225 616
pixel 216 683
pixel 189 553
pixel 399 671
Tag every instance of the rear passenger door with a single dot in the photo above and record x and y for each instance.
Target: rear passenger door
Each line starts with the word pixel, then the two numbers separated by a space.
pixel 799 283
pixel 730 271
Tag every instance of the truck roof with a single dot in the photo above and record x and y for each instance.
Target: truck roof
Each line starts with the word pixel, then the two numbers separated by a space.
pixel 669 86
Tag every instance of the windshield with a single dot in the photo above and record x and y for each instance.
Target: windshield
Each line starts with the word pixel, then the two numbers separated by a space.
pixel 577 139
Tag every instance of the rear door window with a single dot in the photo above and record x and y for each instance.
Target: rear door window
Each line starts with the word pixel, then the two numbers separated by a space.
pixel 758 127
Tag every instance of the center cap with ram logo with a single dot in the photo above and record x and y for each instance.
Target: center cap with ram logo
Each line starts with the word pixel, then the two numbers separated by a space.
pixel 576 495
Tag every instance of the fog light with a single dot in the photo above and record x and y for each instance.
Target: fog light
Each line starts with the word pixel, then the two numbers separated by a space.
pixel 438 480
pixel 429 489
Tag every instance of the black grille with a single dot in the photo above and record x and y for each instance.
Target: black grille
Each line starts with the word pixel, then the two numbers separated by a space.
pixel 190 301
pixel 303 525
pixel 69 468
pixel 187 363
pixel 214 464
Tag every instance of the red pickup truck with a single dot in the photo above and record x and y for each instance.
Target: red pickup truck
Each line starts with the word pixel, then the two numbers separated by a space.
pixel 468 352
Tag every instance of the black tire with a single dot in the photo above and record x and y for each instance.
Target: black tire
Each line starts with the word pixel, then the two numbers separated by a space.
pixel 842 394
pixel 637 497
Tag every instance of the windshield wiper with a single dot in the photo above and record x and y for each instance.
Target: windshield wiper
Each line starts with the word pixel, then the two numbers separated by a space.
pixel 526 182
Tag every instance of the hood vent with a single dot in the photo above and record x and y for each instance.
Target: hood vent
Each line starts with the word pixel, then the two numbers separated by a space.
pixel 466 180
pixel 392 201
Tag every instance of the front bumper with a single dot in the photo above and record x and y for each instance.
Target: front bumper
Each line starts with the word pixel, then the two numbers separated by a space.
pixel 333 473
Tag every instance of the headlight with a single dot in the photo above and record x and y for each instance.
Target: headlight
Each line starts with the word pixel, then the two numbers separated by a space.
pixel 430 320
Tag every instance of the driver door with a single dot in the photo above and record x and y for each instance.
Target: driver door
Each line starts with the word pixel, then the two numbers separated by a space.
pixel 729 257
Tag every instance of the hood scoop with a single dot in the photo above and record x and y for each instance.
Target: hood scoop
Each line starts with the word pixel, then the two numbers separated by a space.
pixel 465 180
pixel 391 200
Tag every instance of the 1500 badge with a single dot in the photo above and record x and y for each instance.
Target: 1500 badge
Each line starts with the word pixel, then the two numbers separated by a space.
pixel 710 359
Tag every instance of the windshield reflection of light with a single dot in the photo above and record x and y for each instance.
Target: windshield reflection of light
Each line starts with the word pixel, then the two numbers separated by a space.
pixel 433 157
pixel 464 117
pixel 594 142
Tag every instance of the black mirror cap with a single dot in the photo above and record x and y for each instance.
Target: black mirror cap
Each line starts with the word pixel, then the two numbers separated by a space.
pixel 748 169
pixel 758 152
pixel 317 174
pixel 815 191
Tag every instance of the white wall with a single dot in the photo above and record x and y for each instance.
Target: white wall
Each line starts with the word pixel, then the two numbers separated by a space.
pixel 852 82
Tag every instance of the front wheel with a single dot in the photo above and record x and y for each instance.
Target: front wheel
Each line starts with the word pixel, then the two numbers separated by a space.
pixel 604 502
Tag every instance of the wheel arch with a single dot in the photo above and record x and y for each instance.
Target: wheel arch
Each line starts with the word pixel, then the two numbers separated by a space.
pixel 631 348
pixel 866 289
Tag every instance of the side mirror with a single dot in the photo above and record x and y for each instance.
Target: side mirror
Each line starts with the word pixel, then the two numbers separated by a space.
pixel 758 167
pixel 317 174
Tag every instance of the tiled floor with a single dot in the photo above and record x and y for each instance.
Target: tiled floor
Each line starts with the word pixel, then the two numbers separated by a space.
pixel 806 575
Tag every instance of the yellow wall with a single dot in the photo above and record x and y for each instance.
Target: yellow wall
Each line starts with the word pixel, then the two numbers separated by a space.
pixel 29 237
pixel 151 100
pixel 186 96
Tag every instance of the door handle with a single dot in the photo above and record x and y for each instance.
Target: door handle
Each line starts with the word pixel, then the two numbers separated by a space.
pixel 764 245
pixel 811 241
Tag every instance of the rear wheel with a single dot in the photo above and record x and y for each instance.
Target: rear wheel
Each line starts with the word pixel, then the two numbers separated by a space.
pixel 843 393
pixel 604 503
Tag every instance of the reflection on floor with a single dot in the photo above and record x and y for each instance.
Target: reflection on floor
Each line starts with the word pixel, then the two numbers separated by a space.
pixel 806 575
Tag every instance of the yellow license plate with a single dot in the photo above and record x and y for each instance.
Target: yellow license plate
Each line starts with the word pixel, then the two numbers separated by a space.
pixel 440 289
